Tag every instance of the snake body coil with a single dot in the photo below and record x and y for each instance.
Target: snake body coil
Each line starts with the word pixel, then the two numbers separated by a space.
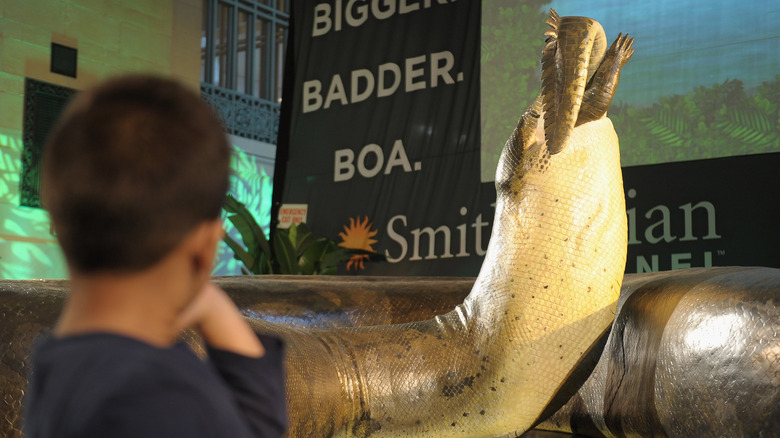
pixel 547 290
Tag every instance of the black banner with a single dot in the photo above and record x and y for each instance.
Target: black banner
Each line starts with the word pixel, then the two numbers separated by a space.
pixel 384 132
pixel 717 212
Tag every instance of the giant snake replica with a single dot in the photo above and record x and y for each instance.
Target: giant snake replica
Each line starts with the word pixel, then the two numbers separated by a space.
pixel 549 335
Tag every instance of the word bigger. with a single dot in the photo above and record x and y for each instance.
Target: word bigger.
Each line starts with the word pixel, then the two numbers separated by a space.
pixel 356 12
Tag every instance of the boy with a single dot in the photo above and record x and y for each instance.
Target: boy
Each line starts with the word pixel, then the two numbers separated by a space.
pixel 134 179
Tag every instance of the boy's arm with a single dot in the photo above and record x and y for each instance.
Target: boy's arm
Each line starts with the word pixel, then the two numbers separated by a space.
pixel 214 315
pixel 250 365
pixel 258 386
pixel 170 409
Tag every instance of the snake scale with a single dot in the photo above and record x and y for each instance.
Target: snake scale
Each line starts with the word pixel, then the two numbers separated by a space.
pixel 391 358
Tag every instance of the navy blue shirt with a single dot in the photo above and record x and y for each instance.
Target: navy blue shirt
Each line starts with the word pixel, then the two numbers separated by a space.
pixel 106 385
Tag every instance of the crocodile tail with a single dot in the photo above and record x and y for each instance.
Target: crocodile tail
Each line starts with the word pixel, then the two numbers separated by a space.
pixel 573 51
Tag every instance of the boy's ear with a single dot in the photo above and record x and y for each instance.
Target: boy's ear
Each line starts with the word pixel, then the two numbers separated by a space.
pixel 206 237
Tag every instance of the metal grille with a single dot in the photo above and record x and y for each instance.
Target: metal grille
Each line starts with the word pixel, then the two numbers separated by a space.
pixel 43 104
pixel 243 115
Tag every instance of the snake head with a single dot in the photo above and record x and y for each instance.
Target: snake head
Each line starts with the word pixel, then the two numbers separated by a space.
pixel 574 49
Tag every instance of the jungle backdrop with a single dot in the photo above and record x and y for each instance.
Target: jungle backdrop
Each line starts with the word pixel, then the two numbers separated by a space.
pixel 703 83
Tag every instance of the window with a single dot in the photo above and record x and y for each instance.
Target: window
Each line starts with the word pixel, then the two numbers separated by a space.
pixel 43 104
pixel 243 45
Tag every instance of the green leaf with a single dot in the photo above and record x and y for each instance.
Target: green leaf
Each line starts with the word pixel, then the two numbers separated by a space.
pixel 264 265
pixel 333 256
pixel 303 238
pixel 751 127
pixel 292 234
pixel 311 259
pixel 244 228
pixel 667 126
pixel 285 254
pixel 247 226
pixel 247 259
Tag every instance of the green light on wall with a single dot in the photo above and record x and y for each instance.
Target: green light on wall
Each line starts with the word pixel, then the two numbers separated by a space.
pixel 27 249
pixel 252 186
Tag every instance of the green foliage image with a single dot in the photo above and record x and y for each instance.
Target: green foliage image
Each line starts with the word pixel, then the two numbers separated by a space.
pixel 703 120
pixel 250 184
pixel 512 42
pixel 720 120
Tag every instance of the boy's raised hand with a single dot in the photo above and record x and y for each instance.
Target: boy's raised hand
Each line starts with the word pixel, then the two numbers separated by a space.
pixel 217 319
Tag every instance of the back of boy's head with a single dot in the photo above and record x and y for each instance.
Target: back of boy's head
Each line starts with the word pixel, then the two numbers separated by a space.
pixel 131 168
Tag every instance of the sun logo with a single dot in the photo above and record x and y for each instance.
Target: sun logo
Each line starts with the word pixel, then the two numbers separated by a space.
pixel 358 236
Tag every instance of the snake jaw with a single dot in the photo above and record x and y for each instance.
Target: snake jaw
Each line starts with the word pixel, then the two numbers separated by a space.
pixel 574 49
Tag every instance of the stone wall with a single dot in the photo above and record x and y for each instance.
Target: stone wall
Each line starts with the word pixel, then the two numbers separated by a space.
pixel 112 37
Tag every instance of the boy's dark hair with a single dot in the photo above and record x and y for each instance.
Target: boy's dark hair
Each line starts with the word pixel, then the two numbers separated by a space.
pixel 133 165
